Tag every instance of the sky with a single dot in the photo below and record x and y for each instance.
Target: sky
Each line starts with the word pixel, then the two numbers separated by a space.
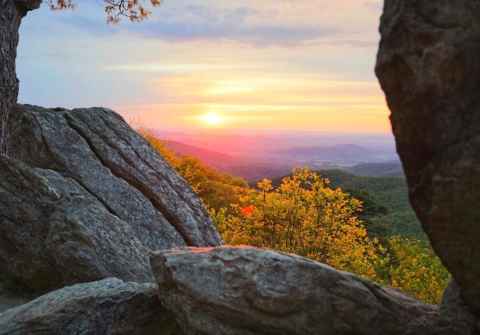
pixel 238 64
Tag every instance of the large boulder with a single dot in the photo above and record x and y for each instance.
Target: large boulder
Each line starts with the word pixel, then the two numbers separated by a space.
pixel 26 203
pixel 87 198
pixel 51 238
pixel 97 149
pixel 428 65
pixel 107 307
pixel 243 290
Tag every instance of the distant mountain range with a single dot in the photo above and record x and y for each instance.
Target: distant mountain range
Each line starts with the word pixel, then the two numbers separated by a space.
pixel 236 166
pixel 257 168
pixel 339 151
pixel 258 156
pixel 376 169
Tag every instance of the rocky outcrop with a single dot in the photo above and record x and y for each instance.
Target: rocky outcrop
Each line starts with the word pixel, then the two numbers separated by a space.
pixel 428 65
pixel 231 290
pixel 99 151
pixel 26 203
pixel 52 238
pixel 107 307
pixel 87 244
pixel 90 201
pixel 455 317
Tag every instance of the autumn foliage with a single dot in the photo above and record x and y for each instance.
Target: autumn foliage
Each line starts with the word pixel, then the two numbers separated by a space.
pixel 134 10
pixel 307 217
pixel 304 217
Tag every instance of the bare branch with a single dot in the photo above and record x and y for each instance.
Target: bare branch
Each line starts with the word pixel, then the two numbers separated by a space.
pixel 135 10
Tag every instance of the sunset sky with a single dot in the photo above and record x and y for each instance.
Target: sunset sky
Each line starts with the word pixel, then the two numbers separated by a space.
pixel 243 64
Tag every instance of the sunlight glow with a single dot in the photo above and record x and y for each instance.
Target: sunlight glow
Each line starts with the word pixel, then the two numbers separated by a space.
pixel 212 118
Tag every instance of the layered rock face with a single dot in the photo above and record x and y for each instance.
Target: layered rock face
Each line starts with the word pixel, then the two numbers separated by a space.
pixel 107 307
pixel 99 200
pixel 428 65
pixel 110 161
pixel 229 290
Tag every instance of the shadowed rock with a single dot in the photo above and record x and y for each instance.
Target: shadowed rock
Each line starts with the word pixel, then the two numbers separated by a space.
pixel 428 65
pixel 26 203
pixel 89 244
pixel 455 317
pixel 97 149
pixel 107 307
pixel 229 290
pixel 52 237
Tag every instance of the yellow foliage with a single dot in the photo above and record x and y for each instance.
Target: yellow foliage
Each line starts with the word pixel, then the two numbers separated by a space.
pixel 303 217
pixel 420 271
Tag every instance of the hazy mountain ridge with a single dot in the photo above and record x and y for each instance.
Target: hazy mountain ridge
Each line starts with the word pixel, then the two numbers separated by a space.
pixel 339 151
pixel 254 156
pixel 236 166
pixel 376 169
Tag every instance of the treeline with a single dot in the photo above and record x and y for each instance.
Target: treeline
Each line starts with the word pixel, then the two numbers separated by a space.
pixel 391 192
pixel 333 217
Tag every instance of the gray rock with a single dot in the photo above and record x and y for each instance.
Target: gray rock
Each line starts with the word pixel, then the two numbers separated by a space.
pixel 428 65
pixel 455 316
pixel 107 307
pixel 97 149
pixel 26 203
pixel 64 186
pixel 7 303
pixel 57 235
pixel 242 290
pixel 90 244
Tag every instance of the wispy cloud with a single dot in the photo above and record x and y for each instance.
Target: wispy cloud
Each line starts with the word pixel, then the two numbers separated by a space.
pixel 199 23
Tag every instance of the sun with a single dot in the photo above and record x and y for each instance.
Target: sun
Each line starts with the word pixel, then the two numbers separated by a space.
pixel 212 118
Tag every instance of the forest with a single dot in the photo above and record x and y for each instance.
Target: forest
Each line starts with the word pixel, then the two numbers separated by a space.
pixel 359 224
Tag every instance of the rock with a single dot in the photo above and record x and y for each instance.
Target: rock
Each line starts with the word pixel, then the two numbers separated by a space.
pixel 6 303
pixel 455 316
pixel 243 290
pixel 100 152
pixel 107 307
pixel 57 235
pixel 90 244
pixel 428 65
pixel 26 203
pixel 13 295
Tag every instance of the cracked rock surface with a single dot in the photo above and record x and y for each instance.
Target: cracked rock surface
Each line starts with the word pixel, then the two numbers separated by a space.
pixel 51 238
pixel 97 149
pixel 107 307
pixel 86 198
pixel 243 290
pixel 428 66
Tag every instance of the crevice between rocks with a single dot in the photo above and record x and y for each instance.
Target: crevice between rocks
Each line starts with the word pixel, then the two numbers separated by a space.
pixel 166 214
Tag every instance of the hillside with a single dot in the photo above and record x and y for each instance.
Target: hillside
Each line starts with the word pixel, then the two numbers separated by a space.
pixel 376 169
pixel 236 166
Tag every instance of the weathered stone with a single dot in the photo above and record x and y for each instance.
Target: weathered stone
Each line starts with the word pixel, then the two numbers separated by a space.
pixel 90 244
pixel 52 237
pixel 26 203
pixel 428 65
pixel 97 149
pixel 107 307
pixel 455 316
pixel 242 290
